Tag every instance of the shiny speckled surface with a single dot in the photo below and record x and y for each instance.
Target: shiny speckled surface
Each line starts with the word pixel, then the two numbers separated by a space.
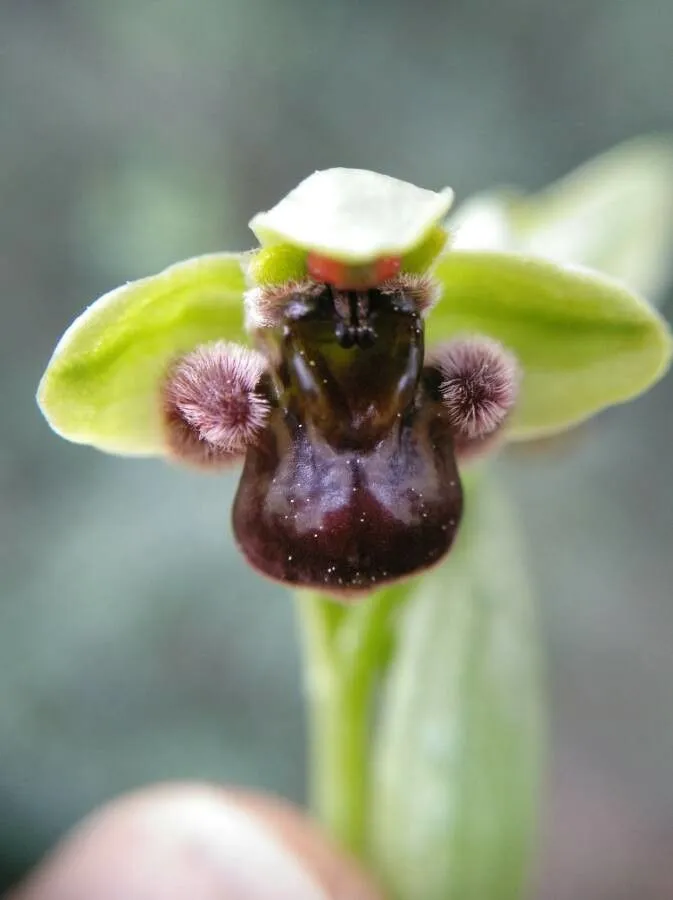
pixel 354 481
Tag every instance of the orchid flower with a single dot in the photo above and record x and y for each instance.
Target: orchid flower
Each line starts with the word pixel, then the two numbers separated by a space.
pixel 352 433
pixel 356 363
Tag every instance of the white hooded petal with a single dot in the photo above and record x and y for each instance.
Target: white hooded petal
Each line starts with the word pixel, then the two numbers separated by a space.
pixel 353 215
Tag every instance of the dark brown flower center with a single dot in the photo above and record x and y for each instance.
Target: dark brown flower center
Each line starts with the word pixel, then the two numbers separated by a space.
pixel 353 482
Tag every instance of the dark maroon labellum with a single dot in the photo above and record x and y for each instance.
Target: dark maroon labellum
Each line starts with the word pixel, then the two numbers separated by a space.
pixel 353 482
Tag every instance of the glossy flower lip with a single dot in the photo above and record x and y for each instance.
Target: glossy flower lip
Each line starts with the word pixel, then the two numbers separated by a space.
pixel 582 341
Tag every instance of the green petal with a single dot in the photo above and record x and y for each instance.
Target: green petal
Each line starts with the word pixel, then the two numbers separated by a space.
pixel 277 264
pixel 584 341
pixel 102 384
pixel 420 258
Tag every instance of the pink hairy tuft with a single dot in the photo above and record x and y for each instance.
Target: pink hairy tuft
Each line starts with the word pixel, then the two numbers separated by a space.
pixel 213 408
pixel 480 381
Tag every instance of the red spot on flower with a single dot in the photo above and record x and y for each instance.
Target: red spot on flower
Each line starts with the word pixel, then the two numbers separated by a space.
pixel 328 271
pixel 347 277
pixel 386 268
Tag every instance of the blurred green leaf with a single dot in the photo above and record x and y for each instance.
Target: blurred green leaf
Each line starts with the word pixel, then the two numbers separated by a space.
pixel 584 342
pixel 457 751
pixel 614 214
pixel 102 385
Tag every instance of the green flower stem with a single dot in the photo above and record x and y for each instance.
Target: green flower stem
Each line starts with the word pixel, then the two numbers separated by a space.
pixel 345 648
pixel 339 754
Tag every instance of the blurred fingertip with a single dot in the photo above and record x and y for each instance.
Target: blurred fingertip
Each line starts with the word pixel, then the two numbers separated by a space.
pixel 200 842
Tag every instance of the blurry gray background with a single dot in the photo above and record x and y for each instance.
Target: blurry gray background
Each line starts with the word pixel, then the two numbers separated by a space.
pixel 134 644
